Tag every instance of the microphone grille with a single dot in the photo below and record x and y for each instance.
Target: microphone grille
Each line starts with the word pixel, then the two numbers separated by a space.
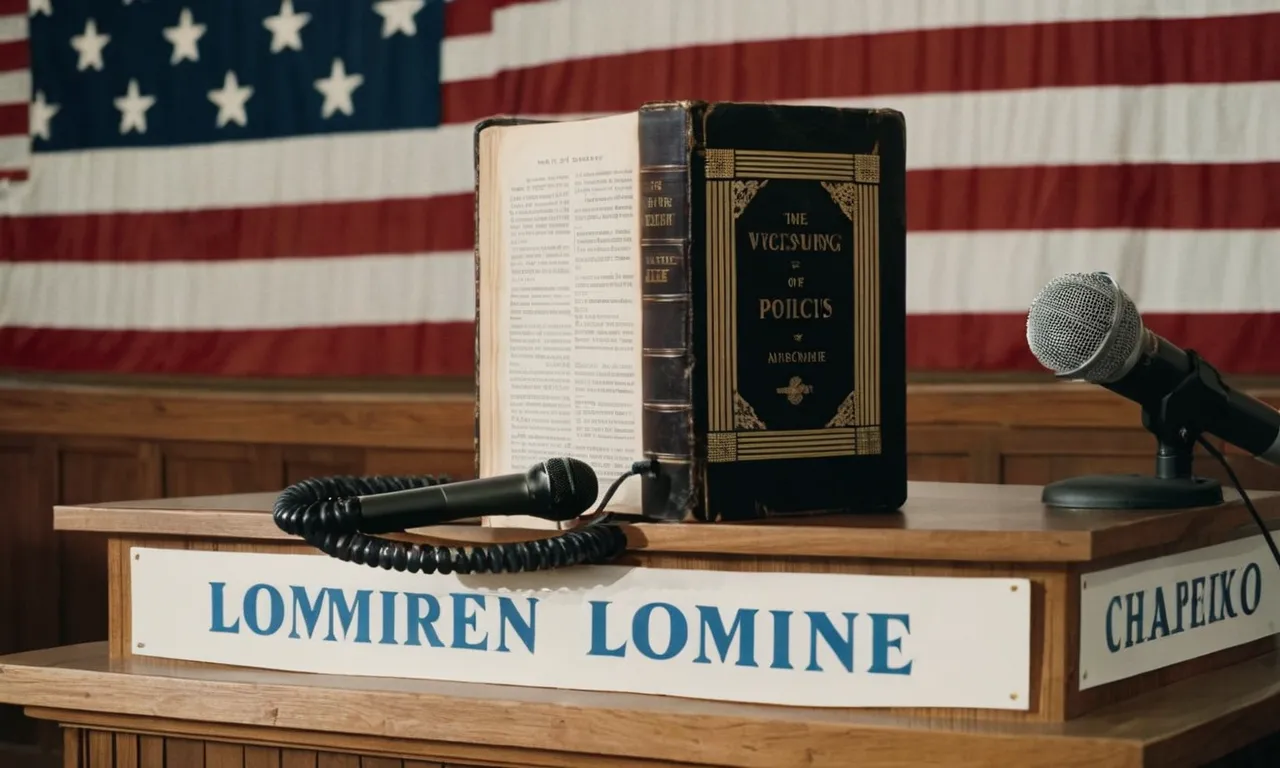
pixel 1082 325
pixel 573 485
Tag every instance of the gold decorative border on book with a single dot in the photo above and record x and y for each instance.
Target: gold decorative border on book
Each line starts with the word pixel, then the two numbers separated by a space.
pixel 720 352
pixel 793 444
pixel 815 166
pixel 867 289
pixel 854 428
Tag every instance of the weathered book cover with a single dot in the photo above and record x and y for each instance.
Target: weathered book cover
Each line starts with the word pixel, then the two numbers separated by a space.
pixel 771 281
pixel 773 243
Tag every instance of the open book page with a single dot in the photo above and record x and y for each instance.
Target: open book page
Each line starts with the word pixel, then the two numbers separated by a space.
pixel 560 297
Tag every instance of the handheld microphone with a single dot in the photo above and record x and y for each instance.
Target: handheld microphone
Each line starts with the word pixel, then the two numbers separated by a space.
pixel 556 489
pixel 1086 328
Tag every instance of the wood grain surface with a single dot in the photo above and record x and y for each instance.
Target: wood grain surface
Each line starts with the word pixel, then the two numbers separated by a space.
pixel 940 521
pixel 1170 727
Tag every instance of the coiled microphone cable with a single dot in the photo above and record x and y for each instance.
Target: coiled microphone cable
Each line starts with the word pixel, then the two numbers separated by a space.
pixel 329 514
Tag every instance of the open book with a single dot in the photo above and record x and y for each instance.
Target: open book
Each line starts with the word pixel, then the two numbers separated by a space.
pixel 704 284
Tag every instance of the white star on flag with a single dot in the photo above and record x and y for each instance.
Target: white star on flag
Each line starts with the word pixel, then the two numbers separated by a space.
pixel 231 98
pixel 40 114
pixel 337 89
pixel 89 45
pixel 184 38
pixel 397 16
pixel 286 27
pixel 133 108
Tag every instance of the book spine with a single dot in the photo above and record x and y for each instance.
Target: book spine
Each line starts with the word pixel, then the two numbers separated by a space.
pixel 666 312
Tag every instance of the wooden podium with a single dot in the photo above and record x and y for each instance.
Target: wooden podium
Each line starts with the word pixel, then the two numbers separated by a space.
pixel 121 709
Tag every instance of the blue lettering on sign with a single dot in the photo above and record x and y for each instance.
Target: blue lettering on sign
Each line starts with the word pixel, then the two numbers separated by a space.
pixel 331 614
pixel 709 634
pixel 659 630
pixel 1144 616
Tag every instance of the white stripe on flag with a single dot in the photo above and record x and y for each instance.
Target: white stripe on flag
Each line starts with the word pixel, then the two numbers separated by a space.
pixel 15 87
pixel 1067 126
pixel 13 27
pixel 238 295
pixel 15 154
pixel 1164 271
pixel 575 29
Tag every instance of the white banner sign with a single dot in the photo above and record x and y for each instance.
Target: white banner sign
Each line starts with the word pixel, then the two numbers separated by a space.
pixel 1159 612
pixel 780 638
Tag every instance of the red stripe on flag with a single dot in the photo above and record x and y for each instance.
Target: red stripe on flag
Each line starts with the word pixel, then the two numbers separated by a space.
pixel 13 7
pixel 1068 197
pixel 436 349
pixel 13 120
pixel 420 225
pixel 15 54
pixel 470 17
pixel 1127 52
pixel 10 176
pixel 991 342
pixel 1096 197
pixel 987 342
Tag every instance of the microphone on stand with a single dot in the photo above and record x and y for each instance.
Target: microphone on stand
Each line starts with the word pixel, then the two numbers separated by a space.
pixel 1083 327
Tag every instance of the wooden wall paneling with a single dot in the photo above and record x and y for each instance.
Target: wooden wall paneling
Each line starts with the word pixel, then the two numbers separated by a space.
pixel 211 469
pixel 356 419
pixel 298 758
pixel 261 757
pixel 89 470
pixel 953 454
pixel 29 572
pixel 1038 456
pixel 1253 474
pixel 127 750
pixel 458 465
pixel 73 747
pixel 302 462
pixel 98 747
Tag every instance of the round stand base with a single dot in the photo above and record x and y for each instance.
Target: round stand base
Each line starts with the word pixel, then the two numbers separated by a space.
pixel 1132 492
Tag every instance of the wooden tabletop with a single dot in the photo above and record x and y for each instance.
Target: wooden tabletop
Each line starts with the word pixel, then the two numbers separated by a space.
pixel 940 521
pixel 1183 724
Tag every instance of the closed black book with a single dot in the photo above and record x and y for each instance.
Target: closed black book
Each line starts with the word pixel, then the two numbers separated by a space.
pixel 719 286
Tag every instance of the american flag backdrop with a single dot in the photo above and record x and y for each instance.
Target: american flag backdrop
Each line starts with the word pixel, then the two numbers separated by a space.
pixel 283 187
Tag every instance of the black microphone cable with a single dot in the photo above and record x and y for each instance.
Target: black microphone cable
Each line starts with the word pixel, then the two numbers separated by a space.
pixel 1248 503
pixel 325 513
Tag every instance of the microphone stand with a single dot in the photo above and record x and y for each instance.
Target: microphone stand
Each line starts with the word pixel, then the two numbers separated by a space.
pixel 1176 421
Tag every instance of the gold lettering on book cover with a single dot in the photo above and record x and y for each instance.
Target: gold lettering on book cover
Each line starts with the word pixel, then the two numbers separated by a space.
pixel 744 416
pixel 734 178
pixel 743 192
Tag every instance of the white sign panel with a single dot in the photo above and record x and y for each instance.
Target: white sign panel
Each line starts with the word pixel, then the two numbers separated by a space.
pixel 1166 610
pixel 780 638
